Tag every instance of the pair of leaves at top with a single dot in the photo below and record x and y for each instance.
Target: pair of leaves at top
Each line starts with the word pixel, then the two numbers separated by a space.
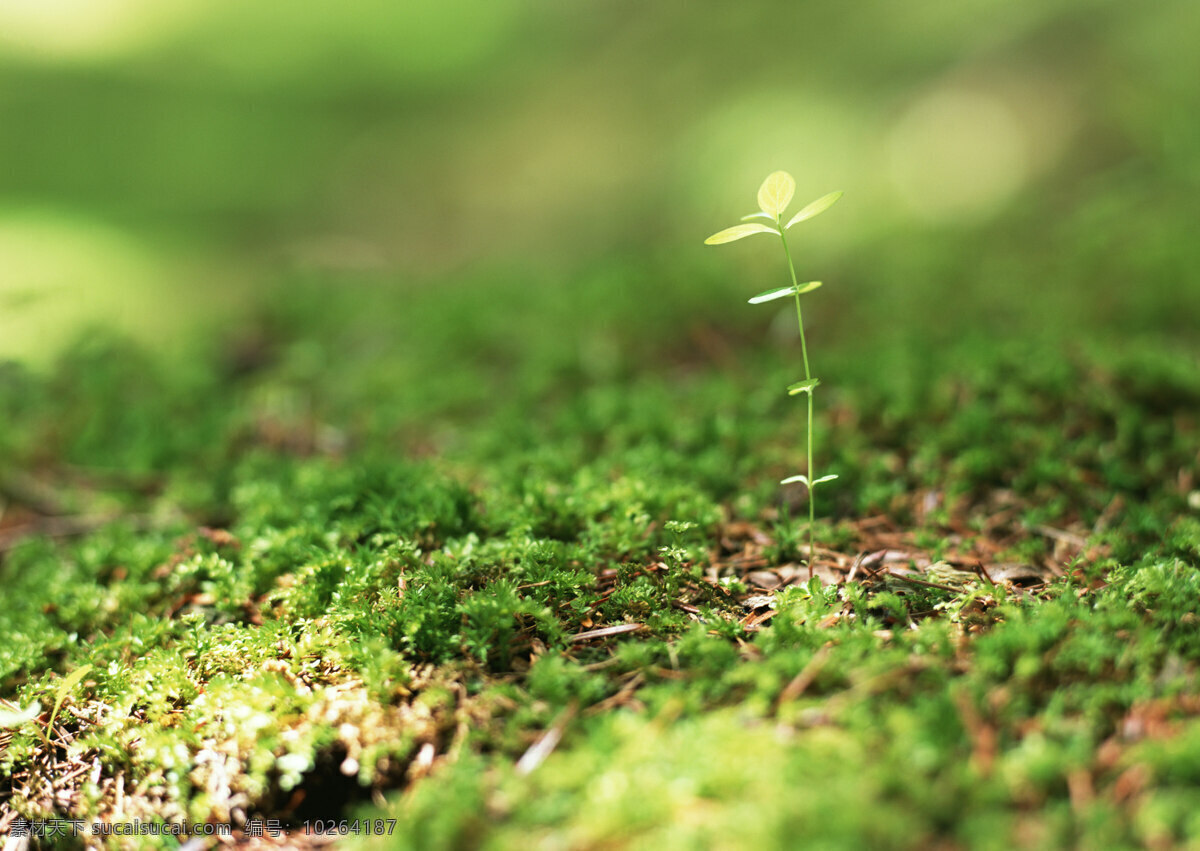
pixel 21 717
pixel 773 198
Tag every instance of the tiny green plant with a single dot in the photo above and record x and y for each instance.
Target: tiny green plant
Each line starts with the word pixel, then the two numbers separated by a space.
pixel 60 694
pixel 15 718
pixel 773 198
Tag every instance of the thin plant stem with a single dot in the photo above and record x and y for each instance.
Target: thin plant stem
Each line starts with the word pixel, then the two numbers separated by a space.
pixel 812 549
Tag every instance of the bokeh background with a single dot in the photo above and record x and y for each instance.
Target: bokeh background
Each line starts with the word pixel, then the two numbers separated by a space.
pixel 1011 167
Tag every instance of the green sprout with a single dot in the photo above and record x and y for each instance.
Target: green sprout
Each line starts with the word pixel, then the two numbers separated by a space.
pixel 15 718
pixel 773 198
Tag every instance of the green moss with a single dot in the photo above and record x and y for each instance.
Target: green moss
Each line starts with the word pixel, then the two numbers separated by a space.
pixel 317 584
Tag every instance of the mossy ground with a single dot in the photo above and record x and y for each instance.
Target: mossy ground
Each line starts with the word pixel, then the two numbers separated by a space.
pixel 361 556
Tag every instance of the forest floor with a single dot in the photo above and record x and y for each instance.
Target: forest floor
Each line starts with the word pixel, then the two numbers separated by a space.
pixel 419 575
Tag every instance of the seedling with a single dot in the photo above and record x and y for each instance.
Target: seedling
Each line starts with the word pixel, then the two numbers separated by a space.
pixel 773 198
pixel 60 694
pixel 13 719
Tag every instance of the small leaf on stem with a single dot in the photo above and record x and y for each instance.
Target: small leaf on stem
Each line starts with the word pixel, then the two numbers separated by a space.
pixel 783 292
pixel 803 386
pixel 771 295
pixel 64 688
pixel 791 480
pixel 767 216
pixel 69 682
pixel 738 232
pixel 815 208
pixel 776 193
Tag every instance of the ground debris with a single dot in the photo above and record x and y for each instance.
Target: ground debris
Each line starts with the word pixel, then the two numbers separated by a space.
pixel 885 551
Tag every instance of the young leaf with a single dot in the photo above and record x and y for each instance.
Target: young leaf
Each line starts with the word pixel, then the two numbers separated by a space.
pixel 64 688
pixel 815 208
pixel 804 480
pixel 737 232
pixel 783 292
pixel 758 216
pixel 776 193
pixel 12 719
pixel 803 386
pixel 771 295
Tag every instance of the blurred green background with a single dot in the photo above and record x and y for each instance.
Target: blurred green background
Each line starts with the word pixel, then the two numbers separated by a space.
pixel 1011 167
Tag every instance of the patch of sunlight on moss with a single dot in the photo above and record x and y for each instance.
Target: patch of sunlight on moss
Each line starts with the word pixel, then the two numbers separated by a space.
pixel 63 273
